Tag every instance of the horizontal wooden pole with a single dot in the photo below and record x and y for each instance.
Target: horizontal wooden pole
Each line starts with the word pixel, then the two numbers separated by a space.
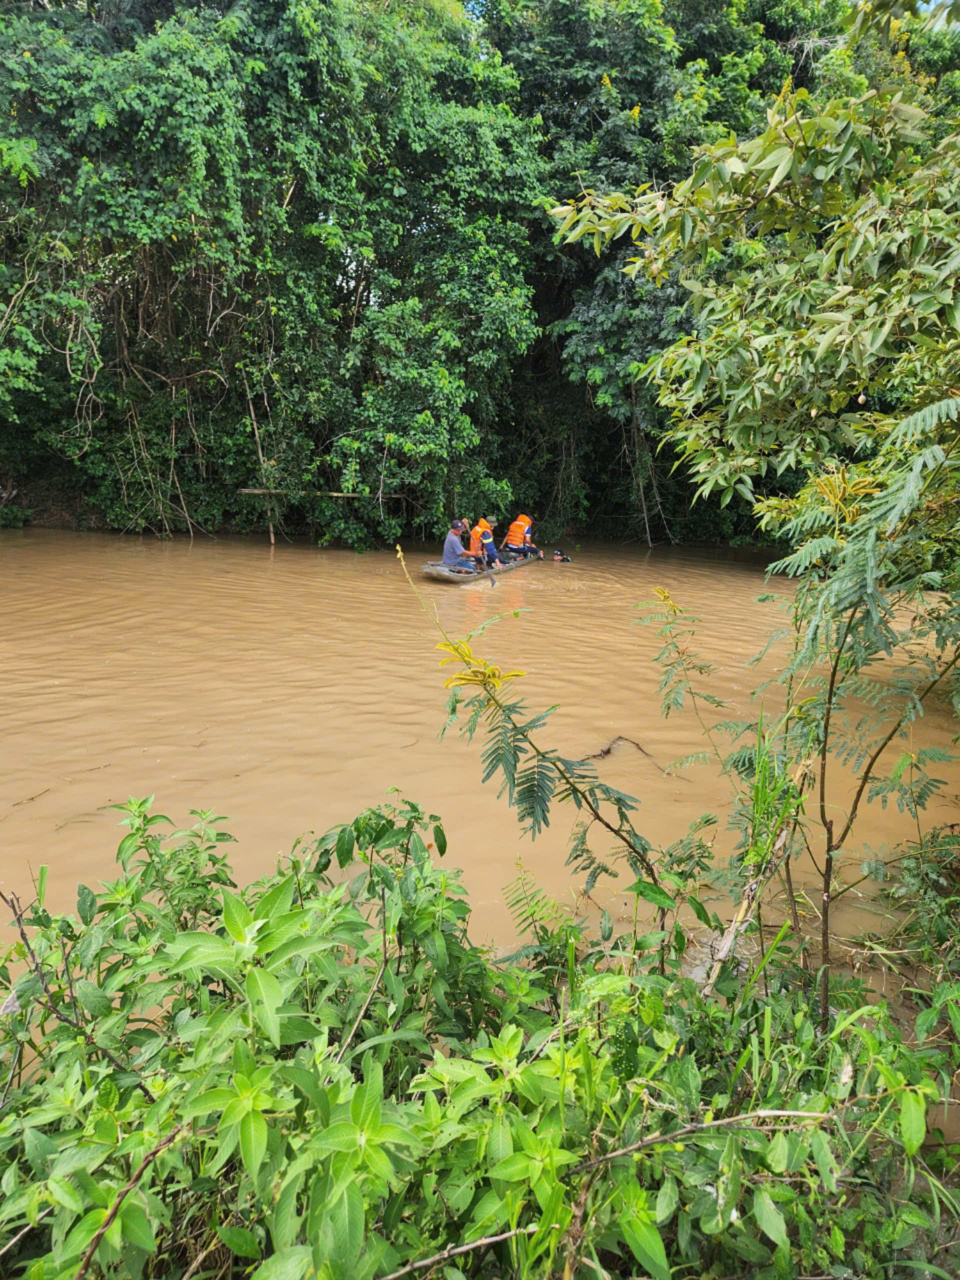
pixel 317 493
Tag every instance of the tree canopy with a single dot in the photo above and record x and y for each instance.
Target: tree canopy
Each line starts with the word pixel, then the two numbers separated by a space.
pixel 273 248
pixel 289 263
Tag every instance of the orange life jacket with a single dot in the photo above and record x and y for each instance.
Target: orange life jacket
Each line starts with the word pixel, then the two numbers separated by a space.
pixel 519 532
pixel 476 535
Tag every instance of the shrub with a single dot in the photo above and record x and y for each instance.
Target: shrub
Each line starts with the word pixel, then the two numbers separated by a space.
pixel 320 1075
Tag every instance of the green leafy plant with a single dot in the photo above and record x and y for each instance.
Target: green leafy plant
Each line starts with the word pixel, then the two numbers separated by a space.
pixel 320 1078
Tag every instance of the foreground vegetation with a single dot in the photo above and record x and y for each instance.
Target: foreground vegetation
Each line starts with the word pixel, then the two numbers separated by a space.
pixel 309 1078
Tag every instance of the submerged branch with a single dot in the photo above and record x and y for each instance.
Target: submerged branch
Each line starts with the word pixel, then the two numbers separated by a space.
pixel 631 742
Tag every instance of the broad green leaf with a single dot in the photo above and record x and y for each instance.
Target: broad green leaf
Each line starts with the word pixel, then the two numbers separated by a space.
pixel 86 904
pixel 777 1153
pixel 347 1219
pixel 768 1217
pixel 65 1194
pixel 668 1197
pixel 688 1079
pixel 292 927
pixel 253 1142
pixel 513 1169
pixel 750 1248
pixel 499 1141
pixel 137 1229
pixel 83 1233
pixel 235 1110
pixel 645 1245
pixel 775 158
pixel 240 1241
pixel 837 1242
pixel 366 1103
pixel 306 1081
pixel 113 1236
pixel 389 1037
pixel 127 845
pixel 300 946
pixel 108 1095
pixel 284 1221
pixel 213 1100
pixel 913 1121
pixel 37 1146
pixel 265 996
pixel 651 893
pixel 926 1269
pixel 489 1214
pixel 338 1137
pixel 206 952
pixel 293 1263
pixel 345 846
pixel 278 901
pixel 236 916
pixel 782 169
pixel 96 1002
pixel 826 1163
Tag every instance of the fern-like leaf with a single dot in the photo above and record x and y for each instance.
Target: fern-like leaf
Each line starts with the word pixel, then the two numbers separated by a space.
pixel 533 793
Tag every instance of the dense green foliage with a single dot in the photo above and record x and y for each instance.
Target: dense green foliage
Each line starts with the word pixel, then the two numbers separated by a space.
pixel 275 248
pixel 821 258
pixel 624 91
pixel 309 1079
pixel 299 249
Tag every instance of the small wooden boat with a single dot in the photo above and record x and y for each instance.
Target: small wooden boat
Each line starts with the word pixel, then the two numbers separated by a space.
pixel 438 572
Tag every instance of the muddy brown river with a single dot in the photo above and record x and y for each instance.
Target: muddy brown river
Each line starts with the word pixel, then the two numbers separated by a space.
pixel 289 688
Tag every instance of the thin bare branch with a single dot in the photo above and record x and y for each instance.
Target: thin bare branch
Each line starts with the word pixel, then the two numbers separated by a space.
pixel 456 1251
pixel 687 1131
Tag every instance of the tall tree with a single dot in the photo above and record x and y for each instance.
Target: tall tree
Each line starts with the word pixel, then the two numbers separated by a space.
pixel 268 249
pixel 821 256
pixel 624 89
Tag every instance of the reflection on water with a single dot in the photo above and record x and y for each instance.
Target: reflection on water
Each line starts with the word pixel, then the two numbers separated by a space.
pixel 290 688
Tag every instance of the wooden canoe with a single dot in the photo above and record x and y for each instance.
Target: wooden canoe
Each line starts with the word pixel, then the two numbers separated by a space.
pixel 438 572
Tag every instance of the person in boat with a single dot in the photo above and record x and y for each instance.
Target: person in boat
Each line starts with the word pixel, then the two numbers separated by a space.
pixel 454 556
pixel 483 544
pixel 519 541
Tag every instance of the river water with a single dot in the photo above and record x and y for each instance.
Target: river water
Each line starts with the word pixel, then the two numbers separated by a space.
pixel 289 688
